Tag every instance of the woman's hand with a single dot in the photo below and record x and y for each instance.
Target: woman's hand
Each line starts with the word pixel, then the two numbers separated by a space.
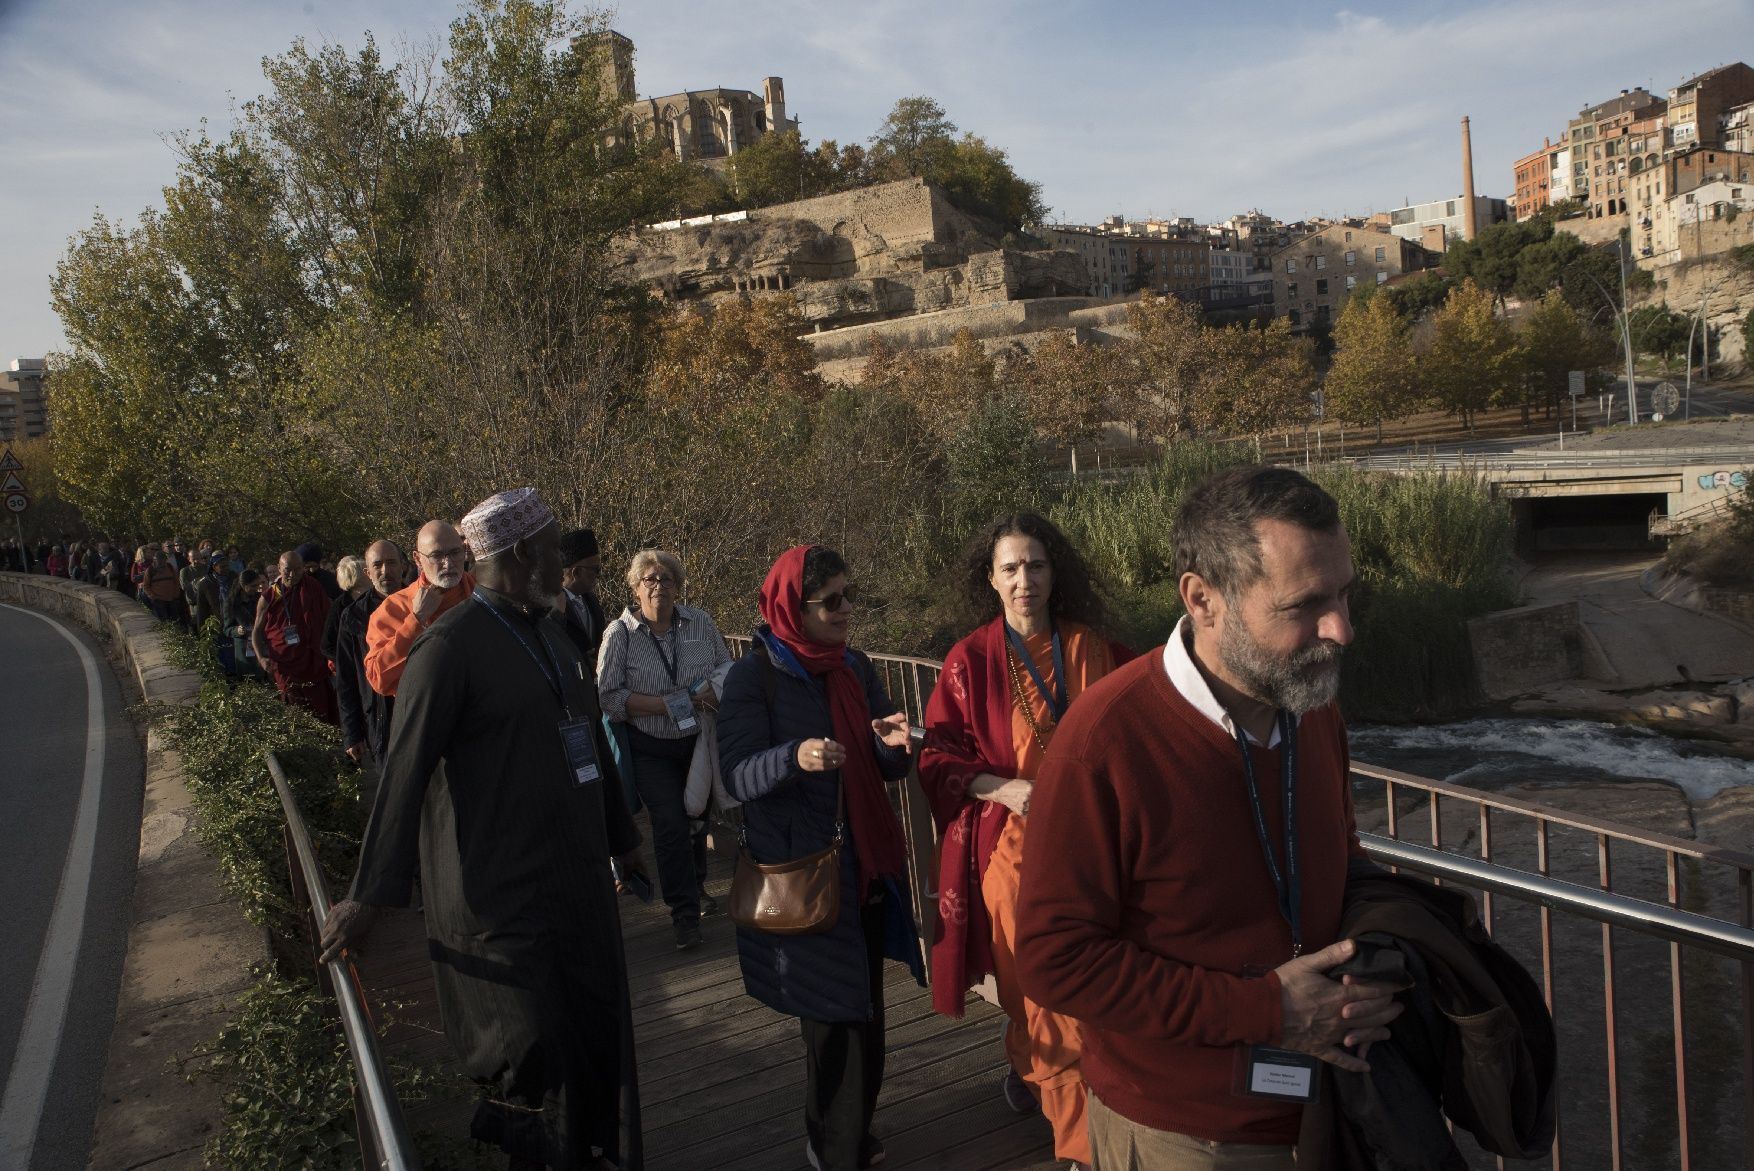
pixel 707 699
pixel 1011 792
pixel 818 756
pixel 894 731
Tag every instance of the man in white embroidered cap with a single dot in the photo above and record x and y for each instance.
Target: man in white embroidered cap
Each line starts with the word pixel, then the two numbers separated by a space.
pixel 499 785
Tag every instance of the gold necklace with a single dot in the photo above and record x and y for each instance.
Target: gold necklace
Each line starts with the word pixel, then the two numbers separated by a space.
pixel 1022 699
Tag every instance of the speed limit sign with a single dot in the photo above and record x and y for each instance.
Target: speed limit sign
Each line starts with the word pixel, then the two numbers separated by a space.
pixel 17 502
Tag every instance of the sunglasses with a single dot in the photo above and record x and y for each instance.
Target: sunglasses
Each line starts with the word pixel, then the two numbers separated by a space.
pixel 831 602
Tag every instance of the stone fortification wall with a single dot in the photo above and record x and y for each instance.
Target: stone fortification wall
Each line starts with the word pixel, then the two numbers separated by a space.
pixel 1520 651
pixel 892 250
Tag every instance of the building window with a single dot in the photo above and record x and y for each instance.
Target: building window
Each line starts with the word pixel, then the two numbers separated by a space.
pixel 1382 254
pixel 1291 265
pixel 1348 237
pixel 1321 262
pixel 1382 278
pixel 1291 291
pixel 1296 317
pixel 1351 283
pixel 1351 256
pixel 1322 287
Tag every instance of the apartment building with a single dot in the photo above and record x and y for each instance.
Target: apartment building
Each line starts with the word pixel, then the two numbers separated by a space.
pixel 1313 276
pixel 24 404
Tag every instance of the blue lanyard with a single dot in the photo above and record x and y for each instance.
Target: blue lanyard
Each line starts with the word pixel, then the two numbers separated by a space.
pixel 1056 699
pixel 1287 885
pixel 671 666
pixel 550 669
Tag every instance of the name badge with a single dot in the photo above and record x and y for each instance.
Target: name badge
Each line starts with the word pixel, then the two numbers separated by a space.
pixel 579 739
pixel 1289 1076
pixel 681 710
pixel 291 636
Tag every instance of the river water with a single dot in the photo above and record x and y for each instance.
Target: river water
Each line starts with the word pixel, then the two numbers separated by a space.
pixel 1497 752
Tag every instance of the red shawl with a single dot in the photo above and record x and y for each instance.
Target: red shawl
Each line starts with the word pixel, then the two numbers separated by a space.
pixel 876 834
pixel 304 608
pixel 968 732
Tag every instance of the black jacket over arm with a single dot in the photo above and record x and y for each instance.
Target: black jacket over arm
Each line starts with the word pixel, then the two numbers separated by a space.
pixel 1475 1043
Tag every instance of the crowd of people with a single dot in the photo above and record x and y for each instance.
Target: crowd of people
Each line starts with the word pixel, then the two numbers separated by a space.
pixel 1153 856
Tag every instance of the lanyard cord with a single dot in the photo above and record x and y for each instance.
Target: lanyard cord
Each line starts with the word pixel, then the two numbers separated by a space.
pixel 671 666
pixel 550 669
pixel 1287 884
pixel 1056 699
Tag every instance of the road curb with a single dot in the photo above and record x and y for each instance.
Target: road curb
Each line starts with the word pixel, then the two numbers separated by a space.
pixel 190 949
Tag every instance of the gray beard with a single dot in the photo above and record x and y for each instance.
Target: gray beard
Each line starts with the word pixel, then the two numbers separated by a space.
pixel 1301 683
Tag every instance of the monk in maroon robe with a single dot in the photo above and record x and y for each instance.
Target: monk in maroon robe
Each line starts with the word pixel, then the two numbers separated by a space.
pixel 288 638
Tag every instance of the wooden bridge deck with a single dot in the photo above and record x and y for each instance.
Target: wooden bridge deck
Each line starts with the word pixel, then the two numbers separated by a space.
pixel 721 1077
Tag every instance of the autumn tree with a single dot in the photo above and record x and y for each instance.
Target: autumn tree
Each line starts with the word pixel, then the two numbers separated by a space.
pixel 1165 368
pixel 1472 361
pixel 1065 388
pixel 918 139
pixel 1371 377
pixel 1555 340
pixel 1261 379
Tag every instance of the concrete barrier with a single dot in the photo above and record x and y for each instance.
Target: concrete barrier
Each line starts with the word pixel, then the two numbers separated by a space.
pixel 1522 650
pixel 190 949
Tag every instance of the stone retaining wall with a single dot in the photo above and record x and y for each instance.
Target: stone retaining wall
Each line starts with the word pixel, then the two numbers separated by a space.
pixel 190 950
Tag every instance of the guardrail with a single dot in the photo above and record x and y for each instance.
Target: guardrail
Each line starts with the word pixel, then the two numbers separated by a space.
pixel 384 1140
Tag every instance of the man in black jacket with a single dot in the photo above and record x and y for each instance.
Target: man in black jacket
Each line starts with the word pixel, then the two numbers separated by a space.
pixel 365 715
pixel 581 563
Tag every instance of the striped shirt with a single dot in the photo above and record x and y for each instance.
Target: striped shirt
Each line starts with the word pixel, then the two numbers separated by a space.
pixel 630 660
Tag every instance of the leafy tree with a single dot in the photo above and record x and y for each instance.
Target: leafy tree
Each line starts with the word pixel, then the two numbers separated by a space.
pixel 1472 360
pixel 1415 298
pixel 1371 377
pixel 1657 329
pixel 1748 339
pixel 1262 379
pixel 1065 387
pixel 1493 259
pixel 775 169
pixel 914 138
pixel 1165 369
pixel 1555 340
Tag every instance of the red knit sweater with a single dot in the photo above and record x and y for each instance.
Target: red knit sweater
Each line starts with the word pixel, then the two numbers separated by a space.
pixel 1145 898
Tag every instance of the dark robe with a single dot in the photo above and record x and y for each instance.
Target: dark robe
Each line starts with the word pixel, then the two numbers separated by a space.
pixel 521 915
pixel 586 629
pixel 365 715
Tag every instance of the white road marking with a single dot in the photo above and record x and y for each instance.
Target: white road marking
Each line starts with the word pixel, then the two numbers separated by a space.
pixel 45 1014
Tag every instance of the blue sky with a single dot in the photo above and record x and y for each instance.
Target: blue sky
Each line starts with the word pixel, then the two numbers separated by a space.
pixel 1156 108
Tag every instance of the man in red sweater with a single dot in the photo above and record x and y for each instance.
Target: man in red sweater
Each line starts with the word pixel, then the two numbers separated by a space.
pixel 1164 905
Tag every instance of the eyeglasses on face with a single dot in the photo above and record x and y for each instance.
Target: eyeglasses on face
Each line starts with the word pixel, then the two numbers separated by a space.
pixel 440 555
pixel 832 602
pixel 658 581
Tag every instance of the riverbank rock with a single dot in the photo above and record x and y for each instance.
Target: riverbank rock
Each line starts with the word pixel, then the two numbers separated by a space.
pixel 1743 694
pixel 1690 707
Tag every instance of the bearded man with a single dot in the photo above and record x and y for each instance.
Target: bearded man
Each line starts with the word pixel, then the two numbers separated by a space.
pixel 499 784
pixel 288 634
pixel 443 582
pixel 1190 843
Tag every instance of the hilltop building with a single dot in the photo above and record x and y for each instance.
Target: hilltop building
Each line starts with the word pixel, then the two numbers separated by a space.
pixel 1433 225
pixel 1313 277
pixel 706 124
pixel 24 405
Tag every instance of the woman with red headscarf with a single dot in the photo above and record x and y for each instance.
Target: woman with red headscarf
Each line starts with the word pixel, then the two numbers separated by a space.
pixel 806 730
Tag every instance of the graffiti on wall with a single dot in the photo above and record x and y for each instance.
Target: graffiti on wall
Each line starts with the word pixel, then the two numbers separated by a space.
pixel 1724 480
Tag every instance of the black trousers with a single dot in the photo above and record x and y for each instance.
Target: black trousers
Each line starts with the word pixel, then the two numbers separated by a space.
pixel 660 773
pixel 843 1062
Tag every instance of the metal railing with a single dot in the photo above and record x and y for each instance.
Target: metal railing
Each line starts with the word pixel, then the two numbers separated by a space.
pixel 383 1131
pixel 1689 870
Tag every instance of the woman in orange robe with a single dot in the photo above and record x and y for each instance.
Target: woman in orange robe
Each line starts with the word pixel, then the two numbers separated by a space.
pixel 1001 693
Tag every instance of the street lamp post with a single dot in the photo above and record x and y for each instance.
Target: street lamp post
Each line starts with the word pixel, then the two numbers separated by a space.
pixel 1622 318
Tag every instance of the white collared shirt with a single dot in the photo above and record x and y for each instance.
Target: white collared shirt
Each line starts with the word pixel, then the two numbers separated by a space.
pixel 1184 675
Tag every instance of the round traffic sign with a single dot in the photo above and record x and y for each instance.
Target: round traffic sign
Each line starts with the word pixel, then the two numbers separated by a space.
pixel 1666 398
pixel 17 502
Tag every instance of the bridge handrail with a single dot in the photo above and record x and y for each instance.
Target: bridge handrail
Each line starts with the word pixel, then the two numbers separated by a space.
pixel 1639 915
pixel 380 1110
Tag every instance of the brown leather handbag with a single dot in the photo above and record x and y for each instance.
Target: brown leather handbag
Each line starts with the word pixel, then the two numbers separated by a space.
pixel 800 897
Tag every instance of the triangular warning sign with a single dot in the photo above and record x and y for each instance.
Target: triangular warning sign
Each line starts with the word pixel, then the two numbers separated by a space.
pixel 9 462
pixel 11 483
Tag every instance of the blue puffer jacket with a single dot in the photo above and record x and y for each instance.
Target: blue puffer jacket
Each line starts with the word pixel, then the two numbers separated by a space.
pixel 788 813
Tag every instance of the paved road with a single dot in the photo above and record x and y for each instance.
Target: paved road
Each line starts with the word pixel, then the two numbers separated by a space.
pixel 1648 643
pixel 70 782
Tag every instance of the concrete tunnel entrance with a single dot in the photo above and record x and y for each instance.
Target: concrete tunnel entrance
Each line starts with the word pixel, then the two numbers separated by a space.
pixel 1560 524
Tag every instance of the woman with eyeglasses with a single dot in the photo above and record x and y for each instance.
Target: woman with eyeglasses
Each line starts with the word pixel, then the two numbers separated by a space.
pixel 654 674
pixel 807 739
pixel 1000 694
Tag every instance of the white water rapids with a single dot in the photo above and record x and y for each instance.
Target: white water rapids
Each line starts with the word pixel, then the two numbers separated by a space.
pixel 1491 753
